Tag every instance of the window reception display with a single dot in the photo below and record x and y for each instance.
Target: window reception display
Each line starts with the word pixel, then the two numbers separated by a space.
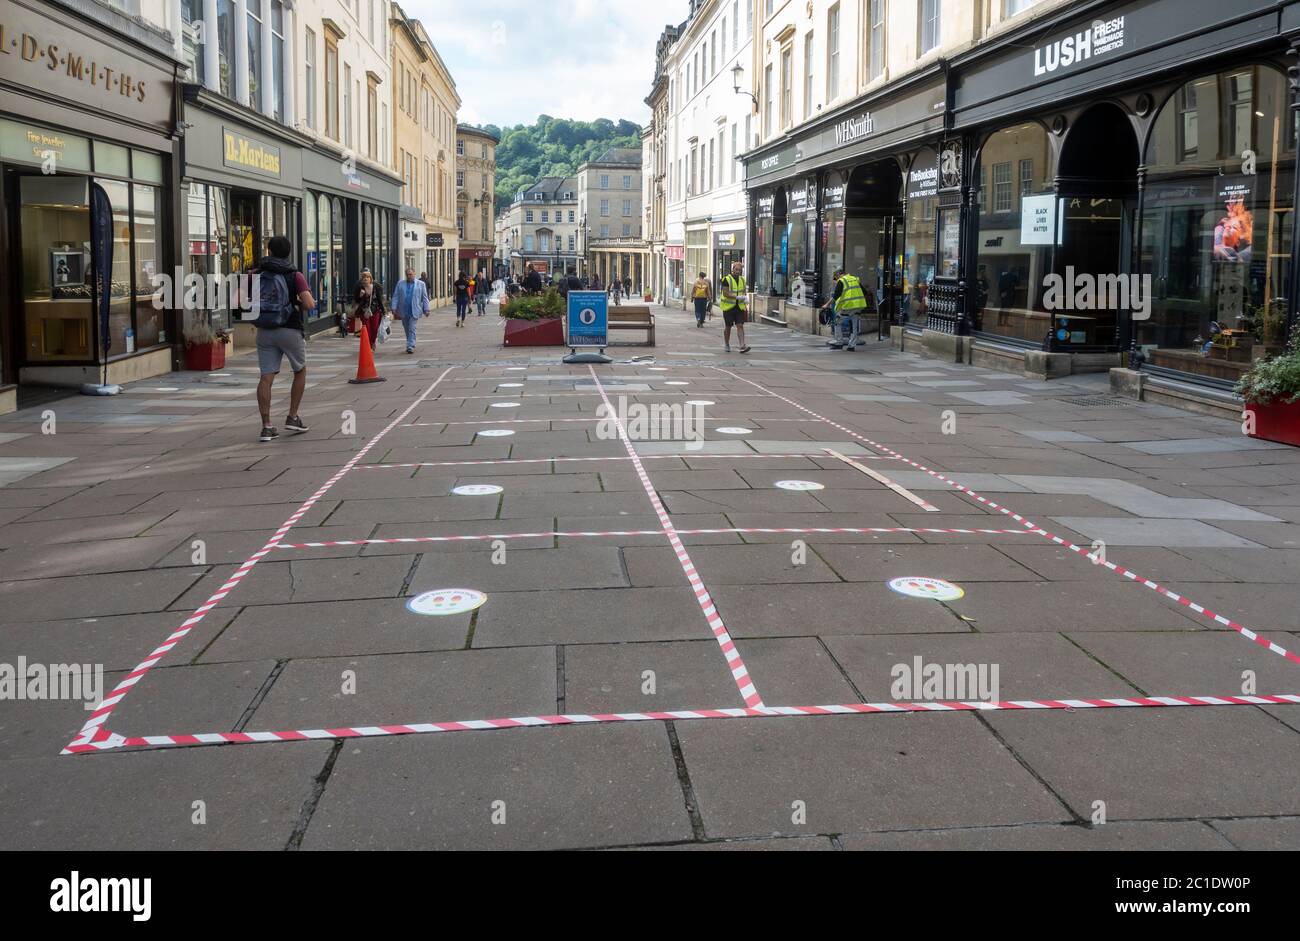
pixel 57 279
pixel 1215 224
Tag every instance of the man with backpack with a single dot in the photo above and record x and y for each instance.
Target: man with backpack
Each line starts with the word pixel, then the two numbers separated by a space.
pixel 279 296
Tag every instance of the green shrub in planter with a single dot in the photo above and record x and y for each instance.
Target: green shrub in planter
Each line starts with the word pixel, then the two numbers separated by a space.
pixel 534 306
pixel 1275 378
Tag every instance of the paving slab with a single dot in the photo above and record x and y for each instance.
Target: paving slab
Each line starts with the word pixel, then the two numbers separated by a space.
pixel 724 565
pixel 1136 760
pixel 886 770
pixel 520 618
pixel 1175 533
pixel 1198 663
pixel 647 677
pixel 252 798
pixel 94 595
pixel 1184 835
pixel 185 698
pixel 555 788
pixel 386 689
pixel 1261 833
pixel 584 566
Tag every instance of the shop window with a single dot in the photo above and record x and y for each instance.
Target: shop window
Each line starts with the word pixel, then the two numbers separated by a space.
pixel 1214 233
pixel 57 277
pixel 919 254
pixel 1009 270
pixel 149 326
pixel 929 21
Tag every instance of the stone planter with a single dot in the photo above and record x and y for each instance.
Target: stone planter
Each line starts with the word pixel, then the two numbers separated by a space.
pixel 549 331
pixel 1276 421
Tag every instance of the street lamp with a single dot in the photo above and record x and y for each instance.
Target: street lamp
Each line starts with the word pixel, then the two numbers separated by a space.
pixel 737 73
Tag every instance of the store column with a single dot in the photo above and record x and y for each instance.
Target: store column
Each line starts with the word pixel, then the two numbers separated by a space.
pixel 287 63
pixel 241 52
pixel 211 47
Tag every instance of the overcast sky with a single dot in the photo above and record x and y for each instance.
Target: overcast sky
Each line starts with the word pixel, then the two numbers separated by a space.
pixel 581 59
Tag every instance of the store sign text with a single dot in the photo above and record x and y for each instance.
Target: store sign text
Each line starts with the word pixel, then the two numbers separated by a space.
pixel 29 48
pixel 250 155
pixel 1101 37
pixel 847 131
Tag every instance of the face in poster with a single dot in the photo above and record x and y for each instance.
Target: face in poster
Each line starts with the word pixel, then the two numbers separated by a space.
pixel 1234 230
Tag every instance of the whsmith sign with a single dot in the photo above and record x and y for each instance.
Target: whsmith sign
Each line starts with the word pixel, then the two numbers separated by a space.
pixel 854 129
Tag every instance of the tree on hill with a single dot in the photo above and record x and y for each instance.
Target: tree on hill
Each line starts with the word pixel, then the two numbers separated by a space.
pixel 553 146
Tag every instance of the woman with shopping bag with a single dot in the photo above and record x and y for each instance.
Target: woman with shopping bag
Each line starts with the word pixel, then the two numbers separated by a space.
pixel 369 309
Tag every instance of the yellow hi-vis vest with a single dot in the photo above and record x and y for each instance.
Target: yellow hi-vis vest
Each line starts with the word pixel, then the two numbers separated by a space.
pixel 737 287
pixel 851 298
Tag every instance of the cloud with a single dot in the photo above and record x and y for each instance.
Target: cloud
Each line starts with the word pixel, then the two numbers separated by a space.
pixel 584 59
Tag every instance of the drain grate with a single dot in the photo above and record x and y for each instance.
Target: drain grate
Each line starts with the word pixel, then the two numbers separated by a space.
pixel 1095 401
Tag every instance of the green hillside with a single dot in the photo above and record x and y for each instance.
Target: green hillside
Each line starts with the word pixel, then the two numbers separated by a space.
pixel 553 147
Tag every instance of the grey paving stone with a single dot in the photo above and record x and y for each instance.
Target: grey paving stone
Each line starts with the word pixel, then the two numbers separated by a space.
pixel 410 687
pixel 888 771
pixel 187 698
pixel 724 565
pixel 1050 434
pixel 1181 835
pixel 778 844
pixel 1202 445
pixel 252 797
pixel 1058 564
pixel 1261 833
pixel 648 677
pixel 624 503
pixel 1176 533
pixel 947 384
pixel 579 786
pixel 795 671
pixel 1029 666
pixel 87 530
pixel 94 595
pixel 806 447
pixel 1279 566
pixel 601 616
pixel 1196 663
pixel 300 580
pixel 584 566
pixel 824 609
pixel 960 563
pixel 1137 760
pixel 1053 606
pixel 87 558
pixel 1000 397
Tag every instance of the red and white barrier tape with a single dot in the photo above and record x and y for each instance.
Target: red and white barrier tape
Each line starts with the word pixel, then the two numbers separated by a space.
pixel 94 726
pixel 1035 528
pixel 797 530
pixel 615 457
pixel 738 671
pixel 756 712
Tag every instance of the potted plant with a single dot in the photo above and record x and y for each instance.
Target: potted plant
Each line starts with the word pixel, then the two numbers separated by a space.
pixel 205 347
pixel 1271 388
pixel 534 319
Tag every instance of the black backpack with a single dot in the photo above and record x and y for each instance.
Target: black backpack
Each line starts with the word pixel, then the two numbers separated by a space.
pixel 274 303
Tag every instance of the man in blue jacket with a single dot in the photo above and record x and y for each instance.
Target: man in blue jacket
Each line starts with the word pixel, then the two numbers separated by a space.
pixel 410 302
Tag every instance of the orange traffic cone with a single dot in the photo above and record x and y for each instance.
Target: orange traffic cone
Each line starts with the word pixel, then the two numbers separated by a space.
pixel 366 361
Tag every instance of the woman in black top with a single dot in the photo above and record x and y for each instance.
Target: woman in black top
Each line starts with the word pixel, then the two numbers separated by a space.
pixel 369 306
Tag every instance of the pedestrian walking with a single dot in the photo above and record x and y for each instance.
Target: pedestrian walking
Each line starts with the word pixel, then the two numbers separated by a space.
pixel 368 306
pixel 282 296
pixel 481 293
pixel 733 307
pixel 702 294
pixel 410 302
pixel 616 290
pixel 848 302
pixel 532 281
pixel 462 291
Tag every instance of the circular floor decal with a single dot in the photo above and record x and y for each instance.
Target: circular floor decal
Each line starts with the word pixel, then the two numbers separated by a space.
pixel 800 485
pixel 505 405
pixel 917 586
pixel 495 432
pixel 699 402
pixel 442 601
pixel 733 431
pixel 475 490
pixel 510 385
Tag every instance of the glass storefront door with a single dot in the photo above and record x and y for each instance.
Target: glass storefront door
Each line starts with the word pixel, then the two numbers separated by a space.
pixel 57 287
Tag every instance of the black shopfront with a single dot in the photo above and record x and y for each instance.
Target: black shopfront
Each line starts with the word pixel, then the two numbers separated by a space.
pixel 242 186
pixel 1112 178
pixel 1149 146
pixel 858 189
pixel 350 222
pixel 87 144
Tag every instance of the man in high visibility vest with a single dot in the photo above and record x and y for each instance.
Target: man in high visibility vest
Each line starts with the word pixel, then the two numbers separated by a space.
pixel 849 301
pixel 733 307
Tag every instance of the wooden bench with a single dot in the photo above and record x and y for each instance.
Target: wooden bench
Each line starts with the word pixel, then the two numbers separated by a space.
pixel 633 317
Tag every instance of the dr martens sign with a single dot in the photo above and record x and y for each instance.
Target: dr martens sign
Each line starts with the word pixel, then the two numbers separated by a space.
pixel 53 59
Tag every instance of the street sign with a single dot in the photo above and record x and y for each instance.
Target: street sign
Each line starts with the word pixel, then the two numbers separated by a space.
pixel 588 319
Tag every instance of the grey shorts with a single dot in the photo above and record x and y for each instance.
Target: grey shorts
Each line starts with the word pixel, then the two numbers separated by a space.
pixel 272 345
